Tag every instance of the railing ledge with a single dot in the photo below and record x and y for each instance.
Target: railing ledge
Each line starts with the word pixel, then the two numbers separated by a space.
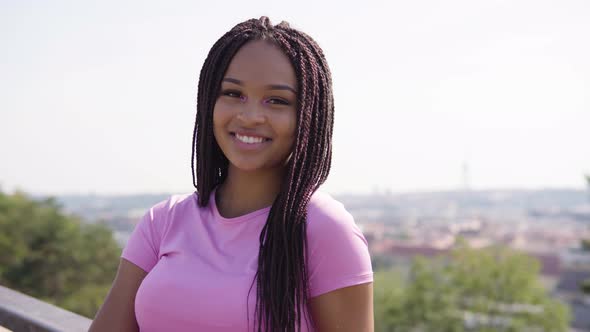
pixel 20 312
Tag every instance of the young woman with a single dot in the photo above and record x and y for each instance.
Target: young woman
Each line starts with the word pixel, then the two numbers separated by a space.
pixel 257 247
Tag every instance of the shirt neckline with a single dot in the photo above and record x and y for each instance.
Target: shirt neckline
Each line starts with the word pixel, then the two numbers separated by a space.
pixel 238 219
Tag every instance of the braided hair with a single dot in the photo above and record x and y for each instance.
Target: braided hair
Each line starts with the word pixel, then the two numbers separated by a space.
pixel 281 277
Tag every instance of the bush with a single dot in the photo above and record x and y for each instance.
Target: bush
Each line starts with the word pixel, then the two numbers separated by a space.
pixel 55 257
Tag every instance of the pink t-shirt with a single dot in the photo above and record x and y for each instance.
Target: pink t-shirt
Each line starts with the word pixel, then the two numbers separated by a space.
pixel 201 265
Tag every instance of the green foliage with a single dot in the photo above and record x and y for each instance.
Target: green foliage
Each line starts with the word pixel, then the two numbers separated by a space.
pixel 585 244
pixel 54 257
pixel 585 286
pixel 389 301
pixel 461 291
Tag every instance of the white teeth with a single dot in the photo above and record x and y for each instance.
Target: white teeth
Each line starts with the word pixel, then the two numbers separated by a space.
pixel 249 139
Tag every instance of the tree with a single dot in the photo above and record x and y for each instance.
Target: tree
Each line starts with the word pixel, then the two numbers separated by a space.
pixel 389 301
pixel 492 289
pixel 55 257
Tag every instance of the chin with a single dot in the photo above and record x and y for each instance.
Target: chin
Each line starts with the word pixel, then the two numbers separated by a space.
pixel 254 166
pixel 247 166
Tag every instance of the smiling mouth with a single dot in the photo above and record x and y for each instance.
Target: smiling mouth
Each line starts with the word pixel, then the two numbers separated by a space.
pixel 250 139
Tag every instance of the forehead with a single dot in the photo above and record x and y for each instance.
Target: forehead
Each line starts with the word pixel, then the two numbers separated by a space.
pixel 261 62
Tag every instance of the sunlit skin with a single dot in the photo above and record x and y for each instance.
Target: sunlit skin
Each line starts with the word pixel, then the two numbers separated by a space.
pixel 257 98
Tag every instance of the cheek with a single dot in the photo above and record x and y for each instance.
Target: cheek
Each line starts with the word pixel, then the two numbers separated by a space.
pixel 220 117
pixel 219 121
pixel 288 125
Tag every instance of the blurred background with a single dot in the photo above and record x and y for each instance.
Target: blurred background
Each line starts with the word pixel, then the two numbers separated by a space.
pixel 461 143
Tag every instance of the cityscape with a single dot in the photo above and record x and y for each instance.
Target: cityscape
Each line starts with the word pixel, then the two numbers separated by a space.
pixel 549 225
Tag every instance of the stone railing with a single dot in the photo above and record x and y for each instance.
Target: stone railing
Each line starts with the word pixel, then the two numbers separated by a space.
pixel 20 312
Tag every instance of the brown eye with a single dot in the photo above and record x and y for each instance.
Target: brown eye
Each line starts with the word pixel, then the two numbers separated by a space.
pixel 276 101
pixel 231 93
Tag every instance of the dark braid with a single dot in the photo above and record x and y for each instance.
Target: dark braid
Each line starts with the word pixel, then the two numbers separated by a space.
pixel 281 278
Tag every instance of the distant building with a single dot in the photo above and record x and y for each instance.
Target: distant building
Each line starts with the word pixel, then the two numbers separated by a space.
pixel 576 258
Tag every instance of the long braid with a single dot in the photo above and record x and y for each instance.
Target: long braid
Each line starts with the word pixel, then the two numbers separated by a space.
pixel 281 277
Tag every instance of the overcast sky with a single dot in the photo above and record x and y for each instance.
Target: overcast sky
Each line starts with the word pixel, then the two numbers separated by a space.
pixel 99 97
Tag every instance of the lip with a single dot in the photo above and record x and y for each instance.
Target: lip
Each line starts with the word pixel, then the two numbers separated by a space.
pixel 249 146
pixel 245 133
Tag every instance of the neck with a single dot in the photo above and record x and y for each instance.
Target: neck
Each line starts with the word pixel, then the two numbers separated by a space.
pixel 243 192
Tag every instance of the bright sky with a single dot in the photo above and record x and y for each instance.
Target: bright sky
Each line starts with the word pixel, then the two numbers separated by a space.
pixel 99 96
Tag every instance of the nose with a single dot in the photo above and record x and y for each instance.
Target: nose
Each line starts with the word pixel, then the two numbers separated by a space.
pixel 251 114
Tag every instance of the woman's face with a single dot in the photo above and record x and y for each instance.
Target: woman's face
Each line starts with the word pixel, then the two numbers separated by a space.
pixel 254 118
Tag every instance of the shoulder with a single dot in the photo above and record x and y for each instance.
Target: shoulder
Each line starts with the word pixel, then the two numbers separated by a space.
pixel 174 203
pixel 328 219
pixel 338 254
pixel 162 213
pixel 324 212
pixel 144 244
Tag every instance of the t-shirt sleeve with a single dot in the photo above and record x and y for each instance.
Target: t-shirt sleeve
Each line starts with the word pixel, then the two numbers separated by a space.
pixel 143 245
pixel 338 253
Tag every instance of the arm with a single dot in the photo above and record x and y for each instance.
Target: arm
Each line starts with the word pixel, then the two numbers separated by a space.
pixel 348 309
pixel 118 310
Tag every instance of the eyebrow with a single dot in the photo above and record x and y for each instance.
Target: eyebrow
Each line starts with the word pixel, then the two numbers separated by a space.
pixel 270 86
